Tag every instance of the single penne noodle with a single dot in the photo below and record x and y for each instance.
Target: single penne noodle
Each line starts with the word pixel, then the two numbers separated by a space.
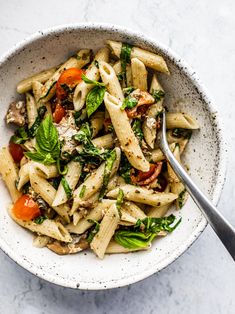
pixel 126 217
pixel 143 195
pixel 115 248
pixel 48 171
pixel 158 211
pixel 172 177
pixel 118 70
pixel 129 142
pixel 95 214
pixel 180 120
pixel 9 172
pixel 41 241
pixel 82 89
pixel 139 74
pixel 108 226
pixel 150 59
pixel 72 177
pixel 47 192
pixel 157 154
pixel 26 84
pixel 23 176
pixel 105 141
pixel 134 210
pixel 110 80
pixel 149 124
pixel 48 228
pixel 182 145
pixel 97 121
pixel 82 58
pixel 31 109
pixel 94 182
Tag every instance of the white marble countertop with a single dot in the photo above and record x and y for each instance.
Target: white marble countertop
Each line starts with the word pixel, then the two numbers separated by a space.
pixel 202 32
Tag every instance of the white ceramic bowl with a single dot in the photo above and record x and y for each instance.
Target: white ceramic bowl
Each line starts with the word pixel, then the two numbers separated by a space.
pixel 204 155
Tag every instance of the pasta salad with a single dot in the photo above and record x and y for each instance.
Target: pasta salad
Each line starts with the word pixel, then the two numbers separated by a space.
pixel 82 167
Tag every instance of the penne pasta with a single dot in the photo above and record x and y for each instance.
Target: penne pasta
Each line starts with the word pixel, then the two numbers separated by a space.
pixel 95 214
pixel 72 176
pixel 48 90
pixel 150 59
pixel 139 74
pixel 150 122
pixel 97 121
pixel 47 192
pixel 110 80
pixel 93 183
pixel 143 195
pixel 107 228
pixel 31 109
pixel 125 134
pixel 23 176
pixel 9 173
pixel 181 120
pixel 92 73
pixel 105 141
pixel 26 85
pixel 48 228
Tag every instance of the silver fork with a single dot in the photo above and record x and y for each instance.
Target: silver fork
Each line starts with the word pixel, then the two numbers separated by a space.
pixel 224 230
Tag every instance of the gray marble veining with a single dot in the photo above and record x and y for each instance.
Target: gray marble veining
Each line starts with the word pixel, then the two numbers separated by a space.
pixel 202 32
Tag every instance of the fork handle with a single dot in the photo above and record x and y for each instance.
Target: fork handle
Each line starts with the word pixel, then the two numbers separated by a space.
pixel 224 230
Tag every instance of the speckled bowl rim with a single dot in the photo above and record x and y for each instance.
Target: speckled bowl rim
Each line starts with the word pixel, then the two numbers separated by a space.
pixel 222 154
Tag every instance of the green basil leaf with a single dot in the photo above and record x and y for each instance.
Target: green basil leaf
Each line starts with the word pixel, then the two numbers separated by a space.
pixel 20 136
pixel 94 231
pixel 129 103
pixel 39 220
pixel 88 81
pixel 66 187
pixel 94 99
pixel 119 201
pixel 158 94
pixel 39 157
pixel 125 169
pixel 133 239
pixel 137 129
pixel 156 225
pixel 107 171
pixel 125 58
pixel 33 129
pixel 47 140
pixel 82 192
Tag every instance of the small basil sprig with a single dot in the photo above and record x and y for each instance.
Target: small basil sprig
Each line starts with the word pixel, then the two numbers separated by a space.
pixel 125 58
pixel 144 231
pixel 47 143
pixel 67 188
pixel 107 171
pixel 95 96
pixel 129 103
pixel 94 231
pixel 158 94
pixel 136 126
pixel 39 220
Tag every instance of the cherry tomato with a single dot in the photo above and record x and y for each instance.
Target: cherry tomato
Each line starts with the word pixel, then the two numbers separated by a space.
pixel 145 178
pixel 59 113
pixel 16 151
pixel 68 80
pixel 25 208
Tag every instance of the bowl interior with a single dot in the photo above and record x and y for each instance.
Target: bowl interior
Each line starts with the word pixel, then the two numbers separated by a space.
pixel 203 156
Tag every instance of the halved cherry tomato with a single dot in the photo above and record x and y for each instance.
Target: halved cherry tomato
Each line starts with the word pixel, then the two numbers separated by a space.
pixel 68 80
pixel 59 113
pixel 144 178
pixel 25 208
pixel 16 151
